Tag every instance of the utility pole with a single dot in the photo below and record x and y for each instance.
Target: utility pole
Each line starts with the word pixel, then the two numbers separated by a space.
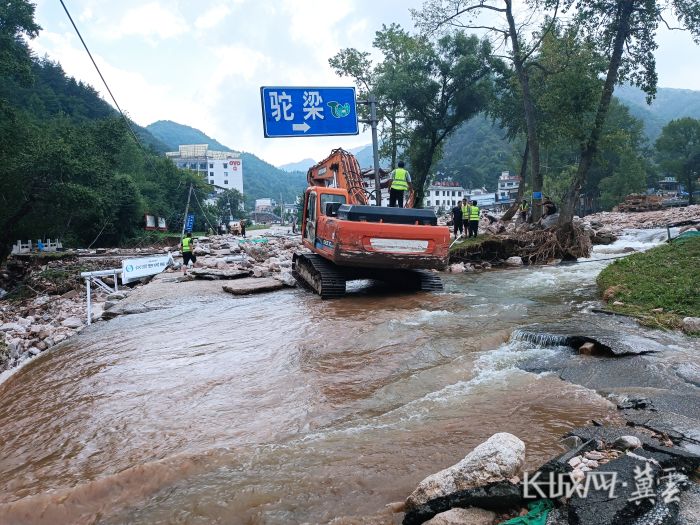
pixel 281 211
pixel 372 101
pixel 187 209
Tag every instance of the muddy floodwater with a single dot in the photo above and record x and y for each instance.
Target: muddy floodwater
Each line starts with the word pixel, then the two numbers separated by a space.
pixel 283 408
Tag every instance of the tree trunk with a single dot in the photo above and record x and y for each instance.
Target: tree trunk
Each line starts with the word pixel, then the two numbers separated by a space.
pixel 589 149
pixel 8 230
pixel 521 189
pixel 528 108
pixel 691 174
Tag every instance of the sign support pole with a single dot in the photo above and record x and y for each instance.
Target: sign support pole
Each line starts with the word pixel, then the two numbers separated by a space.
pixel 372 102
pixel 375 147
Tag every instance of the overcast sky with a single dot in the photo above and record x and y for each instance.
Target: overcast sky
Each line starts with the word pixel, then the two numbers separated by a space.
pixel 202 63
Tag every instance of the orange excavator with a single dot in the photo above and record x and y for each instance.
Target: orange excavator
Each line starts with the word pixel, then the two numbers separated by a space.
pixel 352 240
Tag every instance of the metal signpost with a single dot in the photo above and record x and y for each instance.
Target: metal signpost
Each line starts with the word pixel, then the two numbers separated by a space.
pixel 308 111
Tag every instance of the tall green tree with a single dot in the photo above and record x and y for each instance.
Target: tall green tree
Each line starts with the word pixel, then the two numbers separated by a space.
pixel 624 31
pixel 16 23
pixel 678 151
pixel 432 88
pixel 465 14
pixel 229 204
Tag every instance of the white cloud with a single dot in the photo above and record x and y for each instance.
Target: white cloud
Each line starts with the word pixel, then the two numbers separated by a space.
pixel 152 21
pixel 227 49
pixel 212 16
pixel 86 15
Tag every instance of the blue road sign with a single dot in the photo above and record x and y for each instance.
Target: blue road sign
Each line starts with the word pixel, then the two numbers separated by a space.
pixel 189 223
pixel 308 111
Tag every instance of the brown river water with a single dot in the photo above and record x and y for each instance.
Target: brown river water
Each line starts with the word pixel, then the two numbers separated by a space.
pixel 282 408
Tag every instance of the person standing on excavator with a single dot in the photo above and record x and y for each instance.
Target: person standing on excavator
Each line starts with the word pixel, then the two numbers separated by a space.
pixel 400 182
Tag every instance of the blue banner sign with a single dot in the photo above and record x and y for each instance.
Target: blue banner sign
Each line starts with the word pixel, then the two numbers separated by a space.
pixel 189 223
pixel 308 111
pixel 536 195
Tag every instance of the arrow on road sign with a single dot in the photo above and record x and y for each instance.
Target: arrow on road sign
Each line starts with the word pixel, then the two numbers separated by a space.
pixel 301 127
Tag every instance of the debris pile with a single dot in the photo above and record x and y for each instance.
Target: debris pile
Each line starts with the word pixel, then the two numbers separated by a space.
pixel 640 202
pixel 618 221
pixel 598 480
pixel 230 257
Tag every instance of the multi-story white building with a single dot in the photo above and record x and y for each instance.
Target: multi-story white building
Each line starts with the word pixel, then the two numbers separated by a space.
pixel 264 205
pixel 508 187
pixel 447 194
pixel 222 169
pixel 444 194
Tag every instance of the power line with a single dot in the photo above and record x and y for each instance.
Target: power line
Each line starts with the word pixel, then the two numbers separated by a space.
pixel 100 73
pixel 147 154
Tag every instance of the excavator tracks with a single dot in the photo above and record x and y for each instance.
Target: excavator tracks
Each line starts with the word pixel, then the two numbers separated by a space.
pixel 429 281
pixel 322 276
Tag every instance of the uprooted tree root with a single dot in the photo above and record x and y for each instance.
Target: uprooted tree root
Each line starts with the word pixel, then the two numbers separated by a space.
pixel 567 243
pixel 534 246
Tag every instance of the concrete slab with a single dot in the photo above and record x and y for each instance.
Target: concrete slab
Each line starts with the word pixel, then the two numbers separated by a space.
pixel 251 285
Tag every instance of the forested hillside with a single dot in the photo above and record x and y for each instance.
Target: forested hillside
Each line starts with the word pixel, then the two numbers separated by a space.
pixel 260 179
pixel 669 104
pixel 477 152
pixel 71 168
pixel 301 165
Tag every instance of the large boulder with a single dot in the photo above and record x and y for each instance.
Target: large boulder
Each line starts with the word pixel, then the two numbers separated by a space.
pixel 691 324
pixel 499 458
pixel 72 322
pixel 470 516
pixel 550 221
pixel 604 237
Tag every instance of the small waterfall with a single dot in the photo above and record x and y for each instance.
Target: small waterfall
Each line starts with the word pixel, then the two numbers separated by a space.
pixel 546 340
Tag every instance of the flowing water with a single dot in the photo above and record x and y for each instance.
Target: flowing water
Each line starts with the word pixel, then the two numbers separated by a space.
pixel 282 408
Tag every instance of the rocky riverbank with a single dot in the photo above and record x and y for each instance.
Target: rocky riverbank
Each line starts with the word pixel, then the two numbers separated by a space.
pixel 616 222
pixel 47 301
pixel 643 473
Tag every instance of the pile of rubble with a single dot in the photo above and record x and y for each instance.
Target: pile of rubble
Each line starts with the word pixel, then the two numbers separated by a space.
pixel 640 202
pixel 618 221
pixel 597 481
pixel 229 257
pixel 31 327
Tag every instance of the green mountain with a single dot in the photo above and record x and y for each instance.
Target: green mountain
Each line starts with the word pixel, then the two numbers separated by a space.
pixel 54 93
pixel 302 165
pixel 668 105
pixel 260 179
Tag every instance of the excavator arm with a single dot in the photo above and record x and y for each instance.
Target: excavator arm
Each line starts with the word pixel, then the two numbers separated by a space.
pixel 341 170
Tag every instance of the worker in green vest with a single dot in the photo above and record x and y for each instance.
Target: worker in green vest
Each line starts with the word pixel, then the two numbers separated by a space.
pixel 465 216
pixel 522 210
pixel 400 182
pixel 187 246
pixel 473 219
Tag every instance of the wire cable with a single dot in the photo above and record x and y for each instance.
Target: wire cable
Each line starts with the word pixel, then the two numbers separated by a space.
pixel 203 213
pixel 128 124
pixel 147 154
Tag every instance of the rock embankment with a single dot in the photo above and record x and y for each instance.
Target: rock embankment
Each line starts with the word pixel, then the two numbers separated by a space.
pixel 615 222
pixel 30 327
pixel 52 305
